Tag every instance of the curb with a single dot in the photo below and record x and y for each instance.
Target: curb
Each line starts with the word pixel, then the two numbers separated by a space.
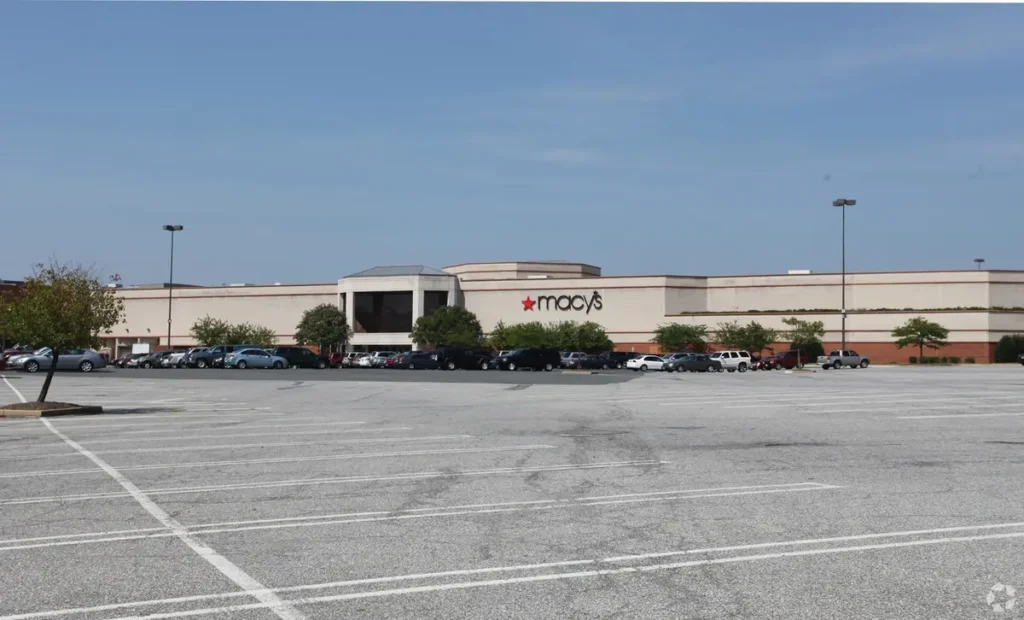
pixel 579 372
pixel 47 413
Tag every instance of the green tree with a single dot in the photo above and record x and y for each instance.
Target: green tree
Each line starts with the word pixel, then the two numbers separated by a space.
pixel 921 332
pixel 325 326
pixel 729 335
pixel 591 338
pixel 562 335
pixel 64 307
pixel 1009 347
pixel 247 333
pixel 805 336
pixel 448 325
pixel 209 331
pixel 528 335
pixel 679 337
pixel 755 338
pixel 497 340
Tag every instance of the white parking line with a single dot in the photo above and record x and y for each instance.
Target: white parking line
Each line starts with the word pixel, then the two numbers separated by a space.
pixel 296 459
pixel 320 430
pixel 338 480
pixel 20 396
pixel 548 566
pixel 867 401
pixel 239 577
pixel 959 415
pixel 414 513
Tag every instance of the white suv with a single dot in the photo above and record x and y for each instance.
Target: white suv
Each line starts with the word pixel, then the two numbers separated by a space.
pixel 733 360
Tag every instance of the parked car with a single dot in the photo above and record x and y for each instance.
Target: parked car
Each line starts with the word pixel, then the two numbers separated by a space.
pixel 84 360
pixel 174 360
pixel 416 360
pixel 349 359
pixel 676 362
pixel 787 360
pixel 700 363
pixel 537 359
pixel 253 358
pixel 644 363
pixel 214 356
pixel 335 359
pixel 154 360
pixel 1020 358
pixel 733 360
pixel 451 358
pixel 375 359
pixel 591 362
pixel 617 359
pixel 189 357
pixel 568 359
pixel 845 357
pixel 301 357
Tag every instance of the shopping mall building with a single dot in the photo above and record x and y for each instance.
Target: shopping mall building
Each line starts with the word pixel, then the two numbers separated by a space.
pixel 978 307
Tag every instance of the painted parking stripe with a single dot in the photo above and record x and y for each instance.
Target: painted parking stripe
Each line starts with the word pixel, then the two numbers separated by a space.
pixel 613 561
pixel 332 480
pixel 296 459
pixel 414 513
pixel 959 415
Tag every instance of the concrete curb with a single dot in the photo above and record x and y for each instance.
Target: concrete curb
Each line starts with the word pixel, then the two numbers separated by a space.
pixel 579 372
pixel 48 413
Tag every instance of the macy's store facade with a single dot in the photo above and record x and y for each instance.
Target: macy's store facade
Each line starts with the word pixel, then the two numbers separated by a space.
pixel 978 307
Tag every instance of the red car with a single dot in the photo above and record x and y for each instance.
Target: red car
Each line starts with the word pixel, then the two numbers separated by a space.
pixel 787 359
pixel 390 362
pixel 336 359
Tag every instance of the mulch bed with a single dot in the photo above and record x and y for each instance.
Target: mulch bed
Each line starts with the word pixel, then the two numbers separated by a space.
pixel 34 406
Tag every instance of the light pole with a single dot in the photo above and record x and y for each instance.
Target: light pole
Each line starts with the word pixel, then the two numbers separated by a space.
pixel 843 203
pixel 979 261
pixel 170 285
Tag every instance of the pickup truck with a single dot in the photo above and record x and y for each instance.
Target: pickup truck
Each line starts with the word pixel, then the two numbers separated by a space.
pixel 847 357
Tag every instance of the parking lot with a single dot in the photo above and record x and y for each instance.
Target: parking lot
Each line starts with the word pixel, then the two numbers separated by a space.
pixel 884 492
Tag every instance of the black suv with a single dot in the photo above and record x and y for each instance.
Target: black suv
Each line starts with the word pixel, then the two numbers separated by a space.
pixel 537 359
pixel 617 359
pixel 301 357
pixel 450 358
pixel 214 356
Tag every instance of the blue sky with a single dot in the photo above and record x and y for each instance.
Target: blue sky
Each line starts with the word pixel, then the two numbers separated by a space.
pixel 303 142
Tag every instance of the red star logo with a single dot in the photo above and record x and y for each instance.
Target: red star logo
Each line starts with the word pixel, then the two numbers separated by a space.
pixel 528 303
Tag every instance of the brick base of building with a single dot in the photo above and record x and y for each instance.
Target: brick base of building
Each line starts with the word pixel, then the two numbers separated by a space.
pixel 878 352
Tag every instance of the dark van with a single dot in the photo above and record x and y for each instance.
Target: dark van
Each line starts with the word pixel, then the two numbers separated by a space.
pixel 301 357
pixel 450 358
pixel 537 359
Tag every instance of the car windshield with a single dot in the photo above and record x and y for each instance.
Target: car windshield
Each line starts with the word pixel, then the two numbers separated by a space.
pixel 43 351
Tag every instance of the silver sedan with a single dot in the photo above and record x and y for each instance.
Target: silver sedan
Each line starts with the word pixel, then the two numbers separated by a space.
pixel 72 359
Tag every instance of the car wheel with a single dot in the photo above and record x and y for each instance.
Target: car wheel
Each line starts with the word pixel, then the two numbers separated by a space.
pixel 643 368
pixel 279 366
pixel 742 367
pixel 618 366
pixel 242 365
pixel 85 366
pixel 200 363
pixel 837 365
pixel 147 365
pixel 548 367
pixel 719 369
pixel 484 366
pixel 800 366
pixel 31 366
pixel 864 363
pixel 732 370
pixel 511 366
pixel 320 365
pixel 450 365
pixel 412 366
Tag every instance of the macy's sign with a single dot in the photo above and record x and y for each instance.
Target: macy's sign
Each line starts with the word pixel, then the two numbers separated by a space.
pixel 564 302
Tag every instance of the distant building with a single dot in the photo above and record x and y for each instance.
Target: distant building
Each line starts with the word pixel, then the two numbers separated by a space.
pixel 382 303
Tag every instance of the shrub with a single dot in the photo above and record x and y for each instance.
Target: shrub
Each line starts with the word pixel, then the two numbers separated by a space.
pixel 944 360
pixel 954 359
pixel 913 359
pixel 969 360
pixel 1008 348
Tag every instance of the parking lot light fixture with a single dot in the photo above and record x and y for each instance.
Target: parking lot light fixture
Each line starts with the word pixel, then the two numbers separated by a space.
pixel 979 261
pixel 171 228
pixel 842 203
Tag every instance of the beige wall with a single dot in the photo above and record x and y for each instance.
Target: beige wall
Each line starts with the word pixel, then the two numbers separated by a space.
pixel 522 270
pixel 863 291
pixel 278 307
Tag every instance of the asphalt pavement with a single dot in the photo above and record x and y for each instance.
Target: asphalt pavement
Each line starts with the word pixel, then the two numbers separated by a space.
pixel 874 493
